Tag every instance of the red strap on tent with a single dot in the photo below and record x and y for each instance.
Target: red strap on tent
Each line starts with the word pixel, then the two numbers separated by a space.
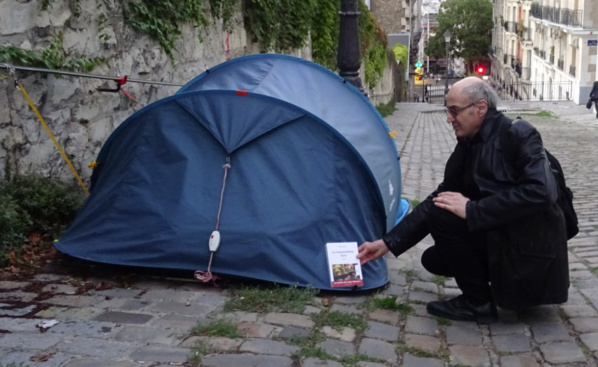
pixel 227 44
pixel 122 81
pixel 241 92
pixel 119 83
pixel 206 276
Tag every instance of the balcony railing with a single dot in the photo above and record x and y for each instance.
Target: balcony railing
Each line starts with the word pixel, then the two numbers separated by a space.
pixel 560 64
pixel 566 16
pixel 572 70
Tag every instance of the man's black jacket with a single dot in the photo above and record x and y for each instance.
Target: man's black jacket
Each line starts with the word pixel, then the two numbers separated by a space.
pixel 525 228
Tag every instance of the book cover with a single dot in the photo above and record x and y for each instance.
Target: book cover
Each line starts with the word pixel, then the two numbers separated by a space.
pixel 343 266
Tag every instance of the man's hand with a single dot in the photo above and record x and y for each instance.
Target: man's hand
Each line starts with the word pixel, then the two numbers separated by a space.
pixel 369 251
pixel 454 202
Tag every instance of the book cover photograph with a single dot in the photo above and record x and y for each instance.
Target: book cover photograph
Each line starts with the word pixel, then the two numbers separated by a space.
pixel 343 266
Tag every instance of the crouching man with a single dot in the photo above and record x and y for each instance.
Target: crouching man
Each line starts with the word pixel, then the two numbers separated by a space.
pixel 494 219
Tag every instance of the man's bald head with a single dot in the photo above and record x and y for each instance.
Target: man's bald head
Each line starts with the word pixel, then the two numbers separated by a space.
pixel 475 90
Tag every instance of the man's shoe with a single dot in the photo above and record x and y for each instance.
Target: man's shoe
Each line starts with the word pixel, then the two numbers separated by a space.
pixel 461 309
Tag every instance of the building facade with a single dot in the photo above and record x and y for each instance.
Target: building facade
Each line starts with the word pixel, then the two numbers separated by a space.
pixel 545 49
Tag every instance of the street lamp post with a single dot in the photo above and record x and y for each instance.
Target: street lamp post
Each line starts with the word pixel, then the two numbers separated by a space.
pixel 447 39
pixel 349 57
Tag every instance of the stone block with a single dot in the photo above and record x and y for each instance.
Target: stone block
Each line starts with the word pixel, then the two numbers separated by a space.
pixel 377 330
pixel 425 342
pixel 468 355
pixel 468 334
pixel 421 325
pixel 337 348
pixel 120 317
pixel 287 319
pixel 511 343
pixel 386 316
pixel 562 352
pixel 248 360
pixel 519 360
pixel 265 346
pixel 585 324
pixel 551 332
pixel 378 349
pixel 345 334
pixel 410 360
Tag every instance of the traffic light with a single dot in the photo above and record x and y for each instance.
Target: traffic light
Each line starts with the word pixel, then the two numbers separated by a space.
pixel 481 70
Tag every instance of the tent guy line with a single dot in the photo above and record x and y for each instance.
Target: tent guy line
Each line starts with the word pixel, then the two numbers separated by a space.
pixel 12 68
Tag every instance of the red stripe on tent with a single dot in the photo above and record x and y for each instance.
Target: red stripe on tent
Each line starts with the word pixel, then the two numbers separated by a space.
pixel 241 92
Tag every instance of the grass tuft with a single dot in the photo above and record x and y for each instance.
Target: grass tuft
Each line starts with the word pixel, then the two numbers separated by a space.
pixel 275 299
pixel 220 328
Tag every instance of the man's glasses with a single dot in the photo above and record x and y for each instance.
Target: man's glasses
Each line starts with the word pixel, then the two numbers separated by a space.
pixel 454 110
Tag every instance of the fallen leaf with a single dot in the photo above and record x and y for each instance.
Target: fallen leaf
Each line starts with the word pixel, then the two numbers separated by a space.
pixel 40 357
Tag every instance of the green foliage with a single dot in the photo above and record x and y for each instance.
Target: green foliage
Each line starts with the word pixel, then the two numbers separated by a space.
pixel 161 19
pixel 52 57
pixel 443 321
pixel 197 352
pixel 353 359
pixel 31 204
pixel 390 303
pixel 338 320
pixel 224 9
pixel 275 299
pixel 439 280
pixel 387 109
pixel 373 45
pixel 220 328
pixel 279 24
pixel 325 32
pixel 401 53
pixel 470 23
pixel 46 4
pixel 402 348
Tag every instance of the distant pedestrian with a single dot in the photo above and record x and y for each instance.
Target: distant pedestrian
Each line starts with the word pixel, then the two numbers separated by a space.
pixel 593 98
pixel 496 226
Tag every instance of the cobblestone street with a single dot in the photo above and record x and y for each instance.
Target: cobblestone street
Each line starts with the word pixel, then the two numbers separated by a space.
pixel 145 321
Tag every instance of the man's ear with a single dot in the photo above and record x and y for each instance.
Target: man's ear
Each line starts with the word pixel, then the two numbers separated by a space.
pixel 482 107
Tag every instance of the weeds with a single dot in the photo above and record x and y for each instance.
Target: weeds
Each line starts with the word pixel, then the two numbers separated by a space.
pixel 443 321
pixel 390 303
pixel 439 280
pixel 220 328
pixel 31 205
pixel 415 203
pixel 197 352
pixel 276 299
pixel 338 320
pixel 418 352
pixel 387 109
pixel 409 274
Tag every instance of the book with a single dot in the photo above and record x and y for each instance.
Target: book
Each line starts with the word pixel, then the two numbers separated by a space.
pixel 343 266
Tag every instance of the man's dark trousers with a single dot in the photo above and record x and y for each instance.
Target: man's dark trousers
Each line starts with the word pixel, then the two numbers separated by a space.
pixel 458 253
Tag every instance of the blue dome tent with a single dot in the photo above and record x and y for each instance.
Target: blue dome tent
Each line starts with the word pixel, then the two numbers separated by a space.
pixel 279 154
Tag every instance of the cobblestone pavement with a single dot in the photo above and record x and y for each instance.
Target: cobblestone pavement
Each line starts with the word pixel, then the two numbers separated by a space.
pixel 118 317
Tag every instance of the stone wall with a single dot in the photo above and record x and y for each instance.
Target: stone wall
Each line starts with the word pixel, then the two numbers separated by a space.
pixel 392 15
pixel 80 116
